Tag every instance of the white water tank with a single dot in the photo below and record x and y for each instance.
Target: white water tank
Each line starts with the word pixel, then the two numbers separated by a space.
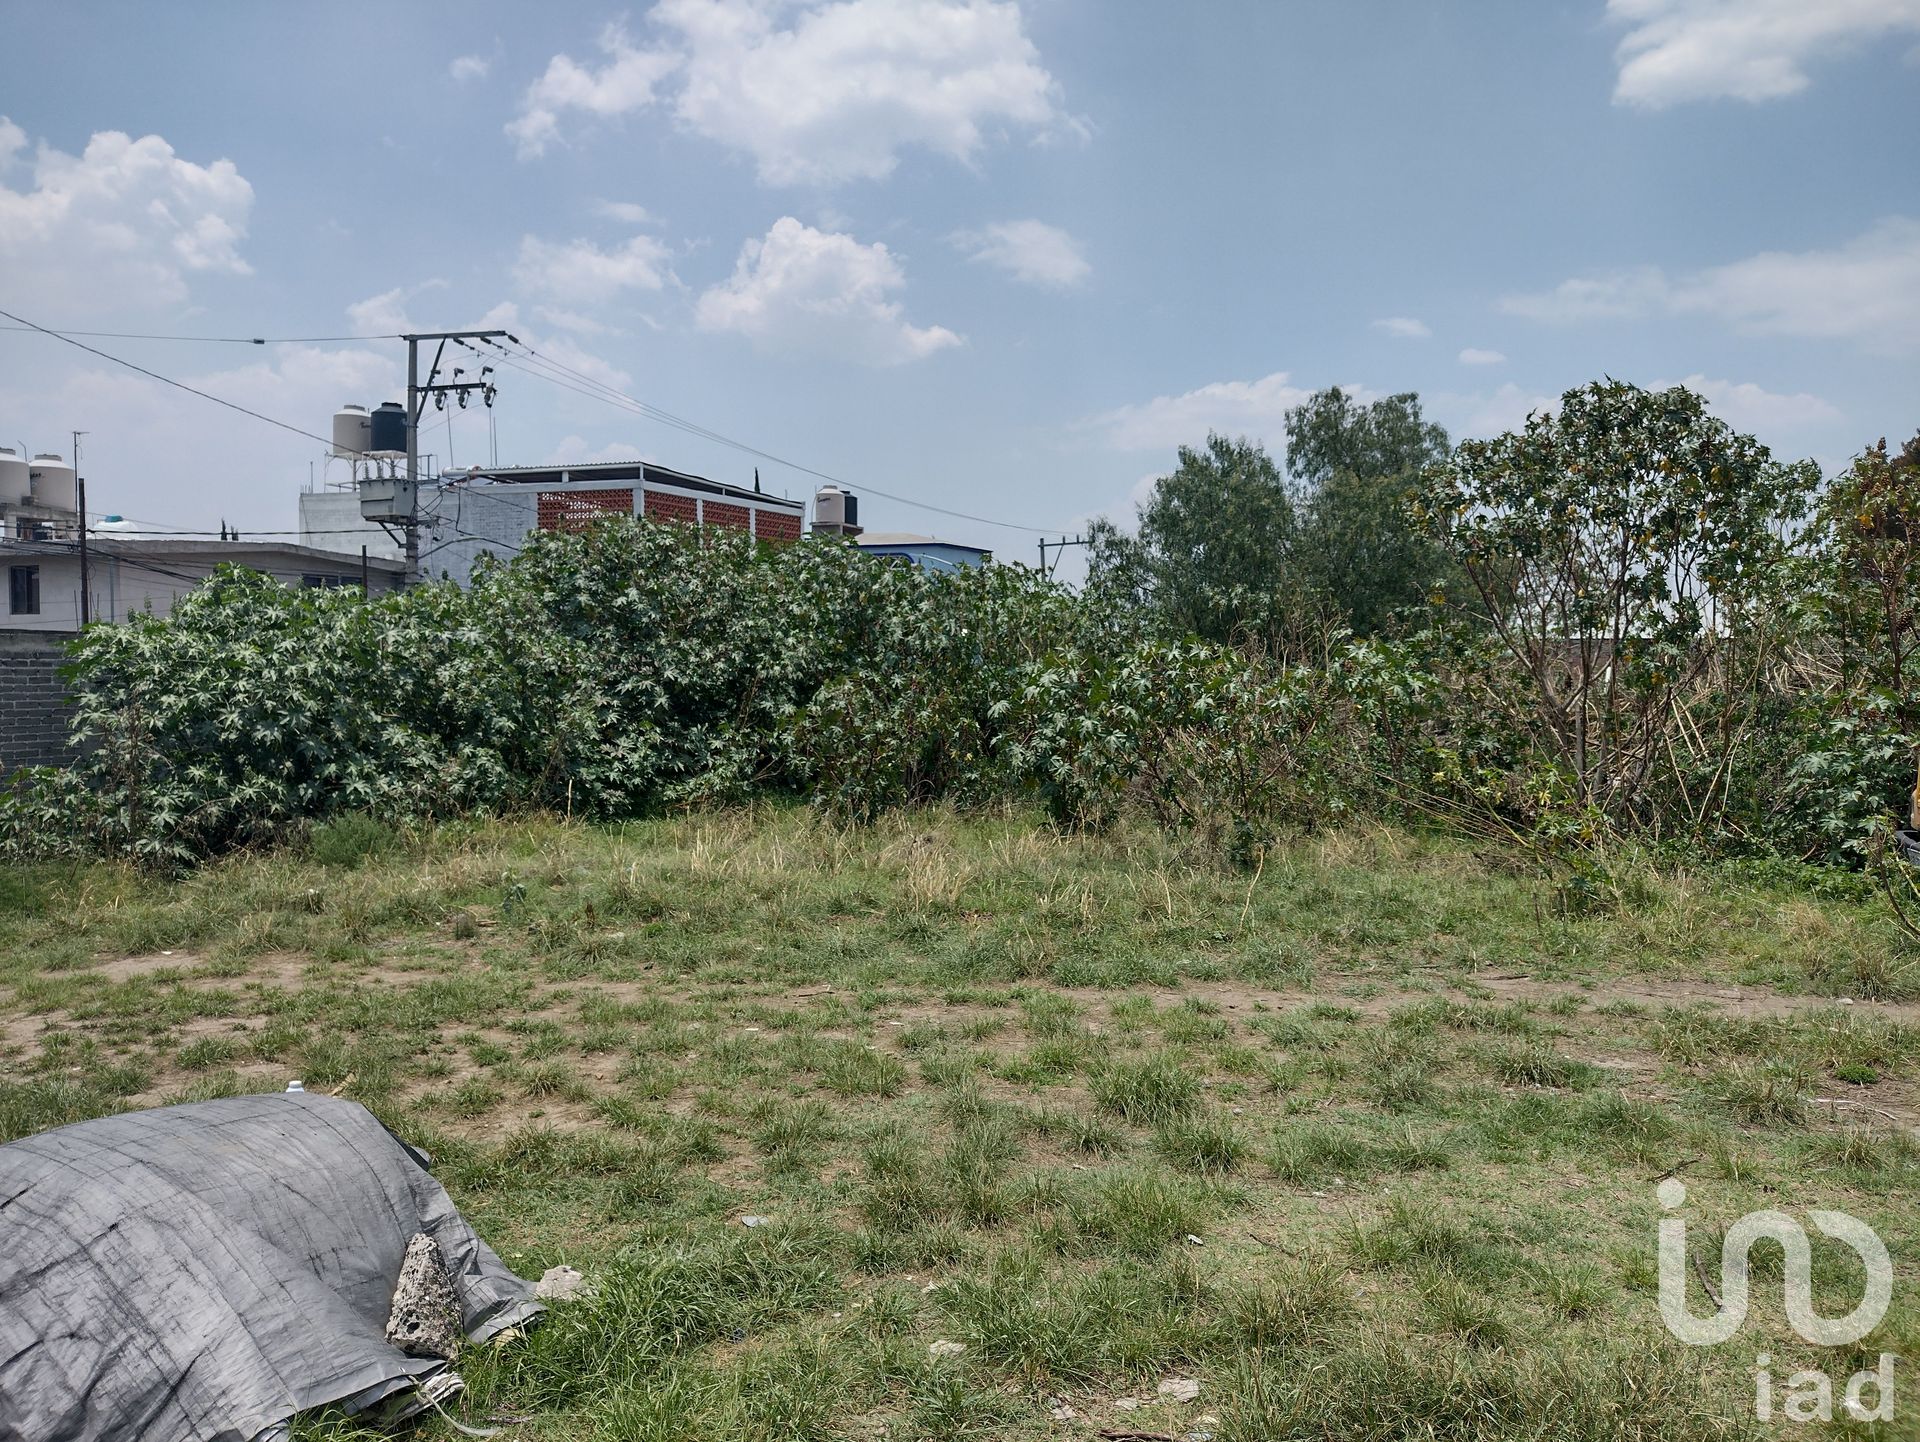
pixel 53 483
pixel 836 511
pixel 16 476
pixel 352 432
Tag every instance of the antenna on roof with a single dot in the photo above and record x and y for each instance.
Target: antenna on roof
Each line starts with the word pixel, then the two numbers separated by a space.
pixel 756 480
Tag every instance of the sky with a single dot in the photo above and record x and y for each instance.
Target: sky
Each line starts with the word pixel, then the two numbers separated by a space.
pixel 998 258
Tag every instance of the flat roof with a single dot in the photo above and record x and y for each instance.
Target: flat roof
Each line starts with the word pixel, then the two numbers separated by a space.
pixel 161 550
pixel 603 471
pixel 907 538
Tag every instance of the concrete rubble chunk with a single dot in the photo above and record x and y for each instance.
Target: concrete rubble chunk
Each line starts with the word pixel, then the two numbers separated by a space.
pixel 559 1284
pixel 425 1321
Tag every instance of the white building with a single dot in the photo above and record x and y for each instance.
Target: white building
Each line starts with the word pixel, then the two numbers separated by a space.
pixel 463 515
pixel 130 576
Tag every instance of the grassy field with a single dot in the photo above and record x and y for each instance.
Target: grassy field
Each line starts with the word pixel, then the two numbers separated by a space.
pixel 1364 1144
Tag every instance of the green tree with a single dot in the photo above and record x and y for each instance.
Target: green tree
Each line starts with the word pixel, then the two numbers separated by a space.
pixel 1356 468
pixel 1629 555
pixel 1214 553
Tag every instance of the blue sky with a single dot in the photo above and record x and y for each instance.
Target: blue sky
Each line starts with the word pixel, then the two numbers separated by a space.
pixel 1002 258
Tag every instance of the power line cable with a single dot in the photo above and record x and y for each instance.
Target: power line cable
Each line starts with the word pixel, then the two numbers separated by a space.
pixel 594 389
pixel 612 395
pixel 200 339
pixel 169 380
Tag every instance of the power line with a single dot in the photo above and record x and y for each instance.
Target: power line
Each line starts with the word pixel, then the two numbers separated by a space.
pixel 199 339
pixel 602 391
pixel 541 366
pixel 169 380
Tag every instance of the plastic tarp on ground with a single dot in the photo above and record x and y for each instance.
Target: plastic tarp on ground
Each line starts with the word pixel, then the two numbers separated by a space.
pixel 207 1271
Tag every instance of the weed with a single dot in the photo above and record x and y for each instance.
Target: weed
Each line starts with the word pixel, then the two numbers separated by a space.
pixel 1146 1092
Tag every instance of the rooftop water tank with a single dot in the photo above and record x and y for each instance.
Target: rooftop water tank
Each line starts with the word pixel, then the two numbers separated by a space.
pixel 16 476
pixel 352 432
pixel 389 432
pixel 836 511
pixel 53 483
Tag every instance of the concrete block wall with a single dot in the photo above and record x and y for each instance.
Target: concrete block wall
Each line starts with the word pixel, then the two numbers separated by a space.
pixel 34 710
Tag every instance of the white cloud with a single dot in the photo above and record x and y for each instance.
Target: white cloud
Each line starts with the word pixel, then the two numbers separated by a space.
pixel 1254 408
pixel 470 67
pixel 562 319
pixel 580 272
pixel 121 226
pixel 627 81
pixel 1611 295
pixel 386 313
pixel 1028 250
pixel 839 93
pixel 569 353
pixel 577 450
pixel 816 93
pixel 801 289
pixel 1867 289
pixel 624 211
pixel 1403 326
pixel 1748 407
pixel 1474 356
pixel 1680 50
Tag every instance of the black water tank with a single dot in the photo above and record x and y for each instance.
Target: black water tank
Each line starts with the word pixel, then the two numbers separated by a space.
pixel 389 432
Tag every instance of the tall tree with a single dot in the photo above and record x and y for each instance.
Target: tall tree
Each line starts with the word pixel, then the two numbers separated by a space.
pixel 1628 552
pixel 1356 468
pixel 1213 553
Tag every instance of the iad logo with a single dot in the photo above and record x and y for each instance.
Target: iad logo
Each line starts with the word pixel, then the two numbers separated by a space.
pixel 1809 1394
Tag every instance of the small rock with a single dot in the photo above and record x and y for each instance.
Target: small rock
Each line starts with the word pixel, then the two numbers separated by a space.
pixel 1179 1389
pixel 1126 1404
pixel 945 1349
pixel 756 1221
pixel 559 1284
pixel 425 1320
pixel 1193 1241
pixel 1062 1413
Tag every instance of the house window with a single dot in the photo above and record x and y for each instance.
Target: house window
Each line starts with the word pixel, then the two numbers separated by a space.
pixel 313 581
pixel 23 590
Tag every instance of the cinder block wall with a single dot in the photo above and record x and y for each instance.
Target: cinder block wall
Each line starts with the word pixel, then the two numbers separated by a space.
pixel 34 710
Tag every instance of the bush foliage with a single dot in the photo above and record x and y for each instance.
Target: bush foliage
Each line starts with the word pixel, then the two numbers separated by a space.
pixel 1639 624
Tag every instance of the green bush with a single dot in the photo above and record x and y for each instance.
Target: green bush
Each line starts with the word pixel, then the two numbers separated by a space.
pixel 1764 709
pixel 350 840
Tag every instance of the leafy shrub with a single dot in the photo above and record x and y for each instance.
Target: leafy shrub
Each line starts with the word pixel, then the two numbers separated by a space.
pixel 349 840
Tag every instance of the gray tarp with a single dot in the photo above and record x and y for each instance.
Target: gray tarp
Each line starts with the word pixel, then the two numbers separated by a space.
pixel 206 1271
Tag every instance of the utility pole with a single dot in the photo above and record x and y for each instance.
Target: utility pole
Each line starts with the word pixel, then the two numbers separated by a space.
pixel 80 501
pixel 1056 547
pixel 416 401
